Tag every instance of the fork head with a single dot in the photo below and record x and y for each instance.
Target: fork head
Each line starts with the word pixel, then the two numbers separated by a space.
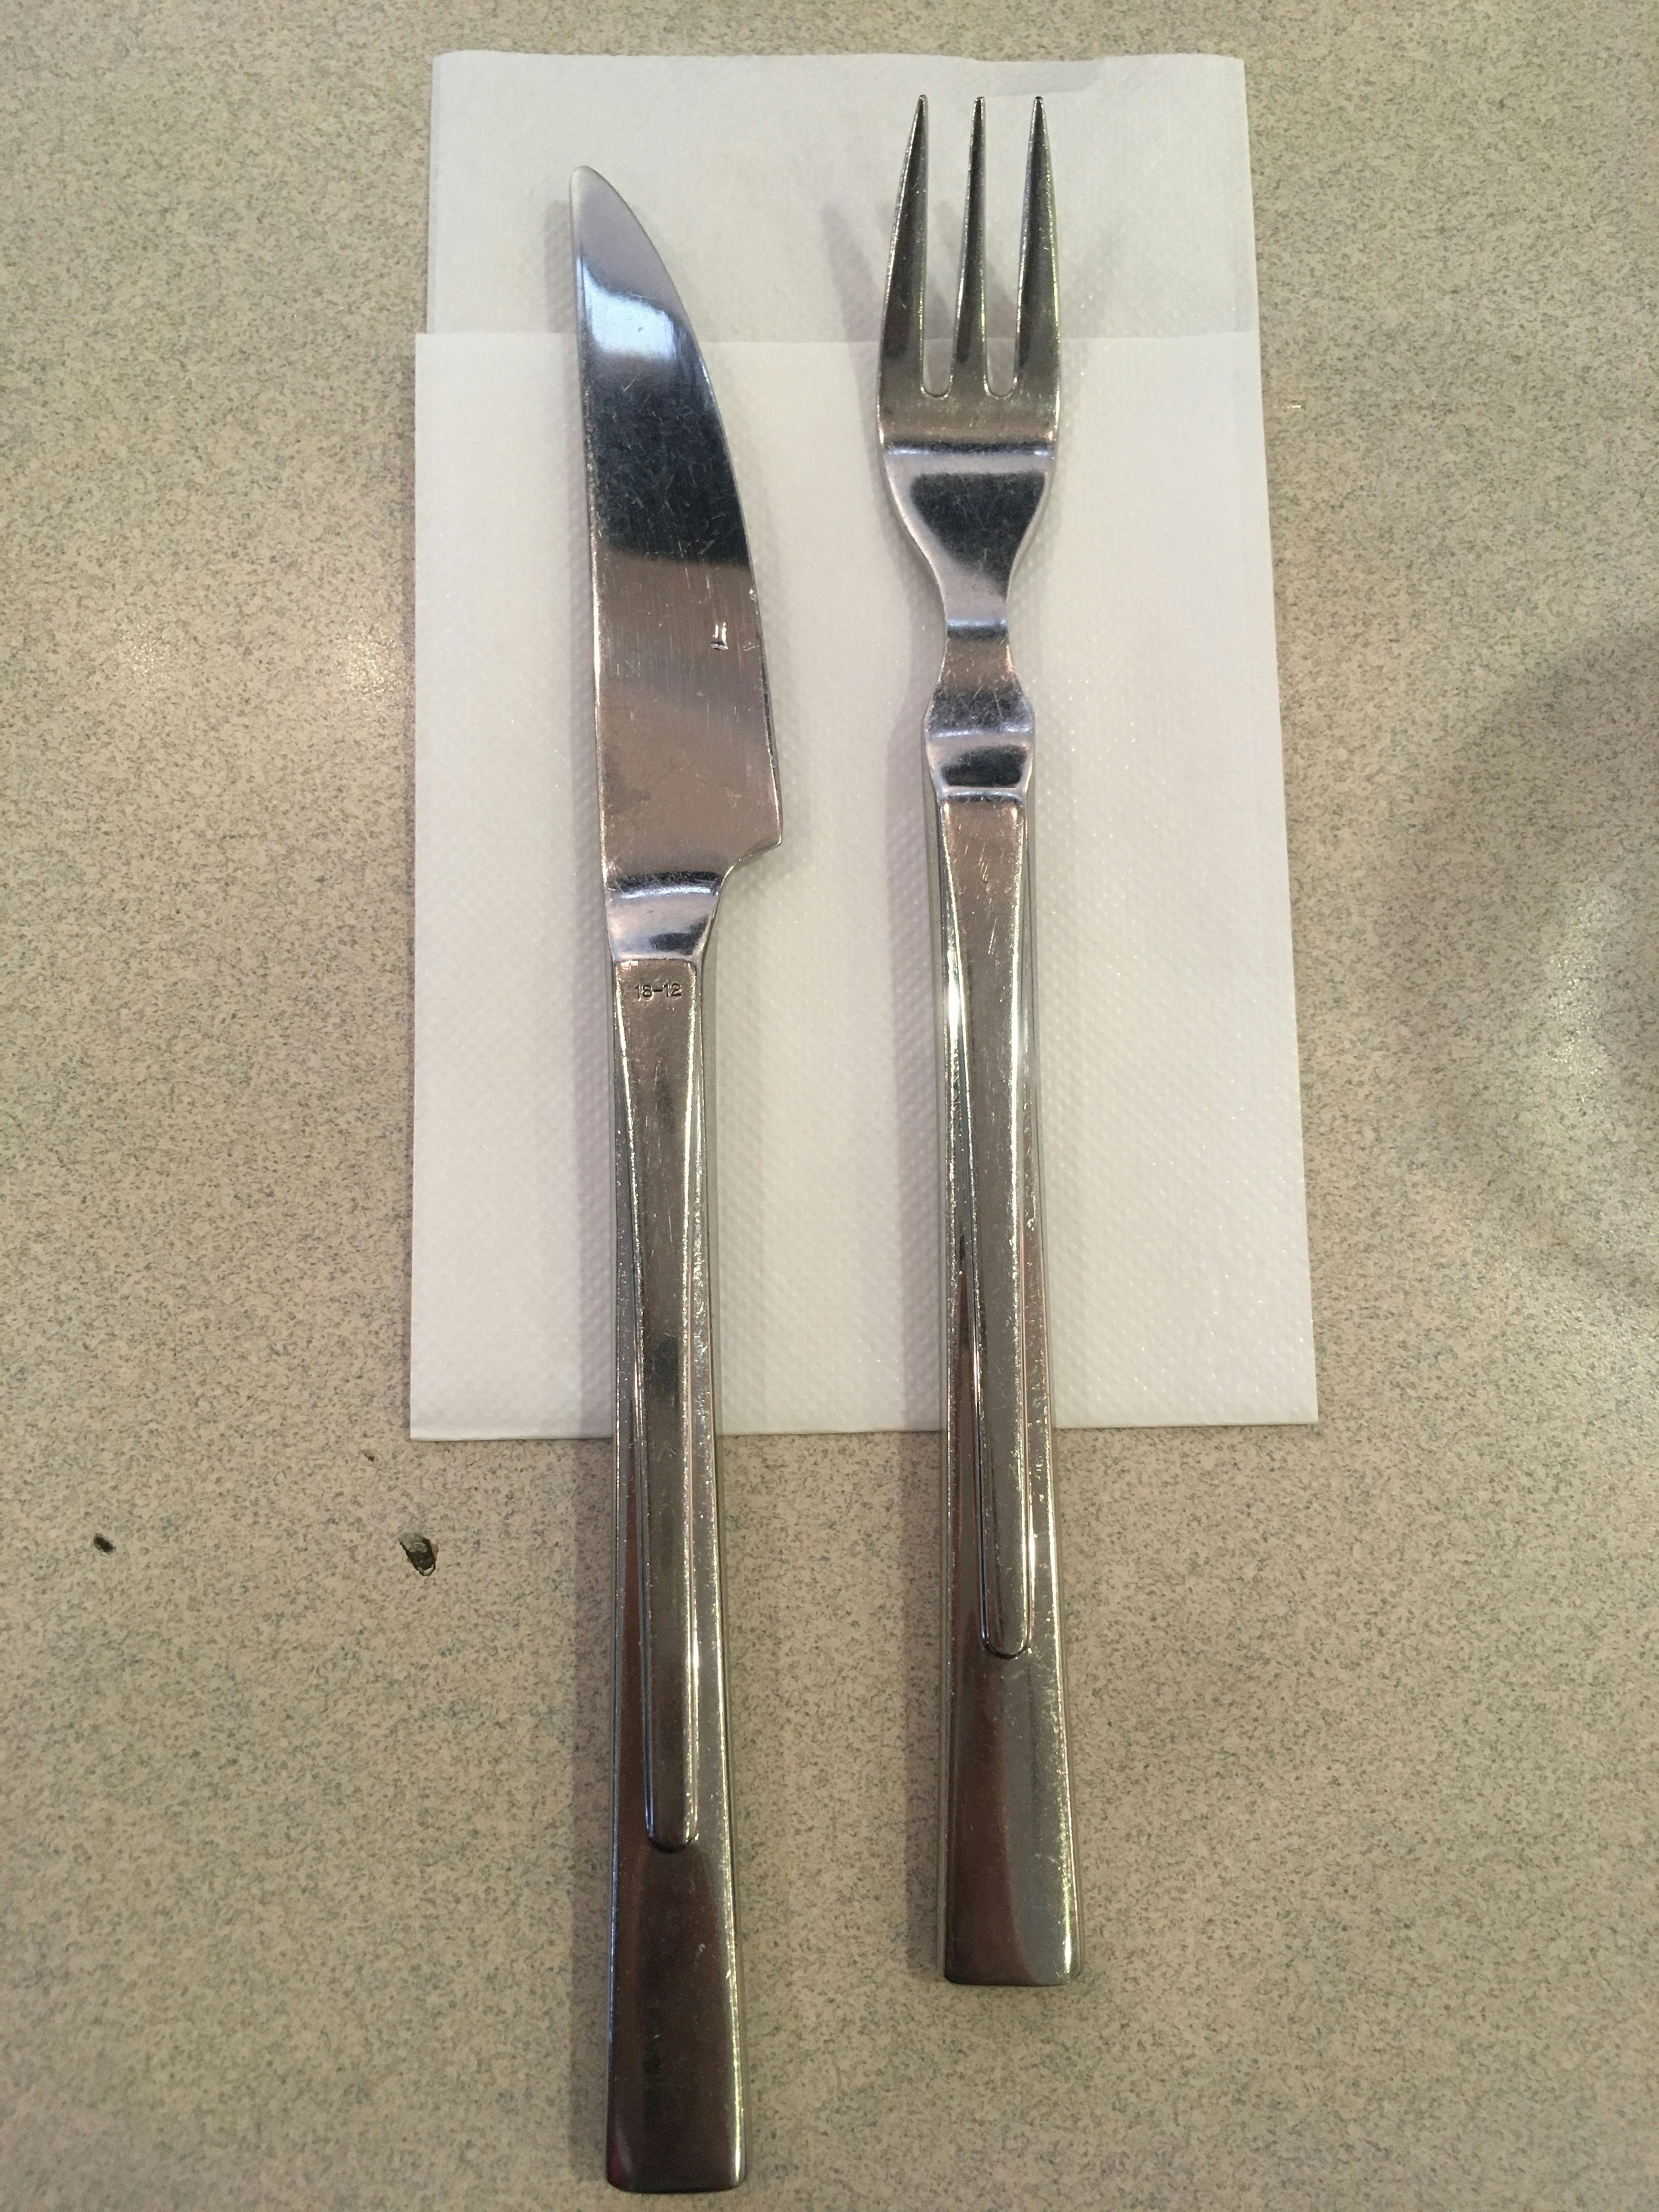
pixel 968 466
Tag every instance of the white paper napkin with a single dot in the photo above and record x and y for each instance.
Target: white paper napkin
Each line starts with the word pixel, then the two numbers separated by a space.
pixel 1143 630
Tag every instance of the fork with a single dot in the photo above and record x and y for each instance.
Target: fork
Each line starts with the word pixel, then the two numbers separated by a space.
pixel 968 468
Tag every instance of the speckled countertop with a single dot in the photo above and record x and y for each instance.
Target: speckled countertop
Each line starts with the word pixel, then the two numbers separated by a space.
pixel 304 1851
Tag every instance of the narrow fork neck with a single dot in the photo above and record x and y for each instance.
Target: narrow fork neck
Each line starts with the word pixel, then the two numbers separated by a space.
pixel 979 727
pixel 970 509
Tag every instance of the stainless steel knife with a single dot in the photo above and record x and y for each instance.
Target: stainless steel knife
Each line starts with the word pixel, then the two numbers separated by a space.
pixel 687 788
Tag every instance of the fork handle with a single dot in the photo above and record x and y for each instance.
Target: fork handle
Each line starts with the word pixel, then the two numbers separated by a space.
pixel 1008 1905
pixel 675 2117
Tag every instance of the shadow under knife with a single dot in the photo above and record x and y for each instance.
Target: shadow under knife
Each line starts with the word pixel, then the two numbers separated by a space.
pixel 593 1495
pixel 592 1548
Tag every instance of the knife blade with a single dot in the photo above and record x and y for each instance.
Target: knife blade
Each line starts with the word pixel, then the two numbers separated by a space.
pixel 688 790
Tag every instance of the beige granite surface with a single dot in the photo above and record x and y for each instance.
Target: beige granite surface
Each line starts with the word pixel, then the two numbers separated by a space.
pixel 301 1852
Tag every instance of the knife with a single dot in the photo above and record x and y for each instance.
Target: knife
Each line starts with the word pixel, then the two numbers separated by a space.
pixel 687 788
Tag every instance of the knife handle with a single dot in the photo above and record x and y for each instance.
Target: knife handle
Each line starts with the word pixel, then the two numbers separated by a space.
pixel 1008 1902
pixel 675 2106
pixel 659 1028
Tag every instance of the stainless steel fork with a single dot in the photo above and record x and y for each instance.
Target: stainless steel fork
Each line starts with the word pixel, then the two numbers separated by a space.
pixel 968 468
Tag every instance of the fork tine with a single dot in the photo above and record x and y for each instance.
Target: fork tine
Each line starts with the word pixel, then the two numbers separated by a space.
pixel 1036 341
pixel 907 272
pixel 970 304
